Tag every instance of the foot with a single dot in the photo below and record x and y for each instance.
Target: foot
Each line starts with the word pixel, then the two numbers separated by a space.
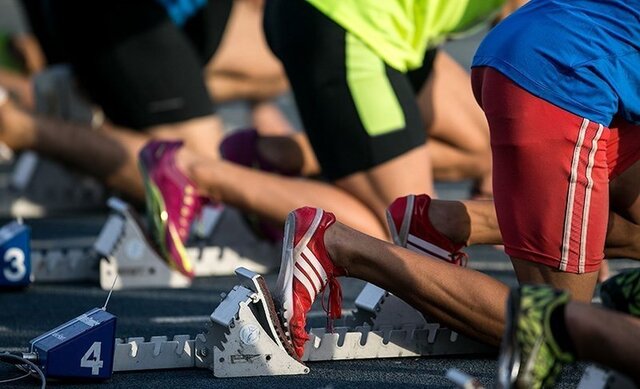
pixel 622 292
pixel 530 356
pixel 410 227
pixel 241 147
pixel 305 271
pixel 172 202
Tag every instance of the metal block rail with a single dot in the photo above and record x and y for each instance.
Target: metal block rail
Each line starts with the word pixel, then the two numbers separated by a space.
pixel 384 326
pixel 69 260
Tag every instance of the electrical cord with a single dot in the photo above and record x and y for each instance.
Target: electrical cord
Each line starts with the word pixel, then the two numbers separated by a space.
pixel 19 361
pixel 15 378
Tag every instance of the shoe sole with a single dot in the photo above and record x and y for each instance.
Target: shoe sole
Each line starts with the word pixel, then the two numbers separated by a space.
pixel 509 361
pixel 284 285
pixel 275 319
pixel 156 207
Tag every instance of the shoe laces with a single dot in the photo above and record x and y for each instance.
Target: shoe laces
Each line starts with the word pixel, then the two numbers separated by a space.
pixel 334 308
pixel 460 258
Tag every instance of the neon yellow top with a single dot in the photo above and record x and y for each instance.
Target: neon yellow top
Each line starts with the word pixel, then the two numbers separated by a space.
pixel 400 31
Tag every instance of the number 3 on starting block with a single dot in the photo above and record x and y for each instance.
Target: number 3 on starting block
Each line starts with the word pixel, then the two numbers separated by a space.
pixel 15 255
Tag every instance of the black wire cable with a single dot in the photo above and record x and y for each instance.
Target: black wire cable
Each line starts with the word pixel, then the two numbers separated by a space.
pixel 27 374
pixel 32 367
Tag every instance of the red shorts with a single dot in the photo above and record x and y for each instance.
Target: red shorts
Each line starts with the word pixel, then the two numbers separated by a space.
pixel 551 172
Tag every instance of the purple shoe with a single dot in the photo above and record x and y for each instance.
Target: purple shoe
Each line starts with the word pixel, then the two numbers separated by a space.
pixel 240 147
pixel 172 202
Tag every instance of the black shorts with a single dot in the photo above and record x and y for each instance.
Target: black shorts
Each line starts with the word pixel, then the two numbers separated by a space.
pixel 357 111
pixel 129 56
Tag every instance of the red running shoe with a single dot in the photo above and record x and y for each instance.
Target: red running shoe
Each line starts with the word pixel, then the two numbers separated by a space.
pixel 408 220
pixel 172 202
pixel 305 271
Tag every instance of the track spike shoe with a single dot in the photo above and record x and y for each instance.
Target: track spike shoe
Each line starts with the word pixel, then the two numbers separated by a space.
pixel 305 271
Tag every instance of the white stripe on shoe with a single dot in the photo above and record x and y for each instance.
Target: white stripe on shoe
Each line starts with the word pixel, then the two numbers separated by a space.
pixel 413 242
pixel 406 221
pixel 303 278
pixel 309 271
pixel 313 261
pixel 304 264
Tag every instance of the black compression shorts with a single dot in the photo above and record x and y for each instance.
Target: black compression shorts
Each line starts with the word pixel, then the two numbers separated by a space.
pixel 129 56
pixel 357 111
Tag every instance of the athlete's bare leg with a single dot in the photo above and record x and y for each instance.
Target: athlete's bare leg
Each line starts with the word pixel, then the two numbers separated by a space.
pixel 243 67
pixel 606 337
pixel 378 187
pixel 109 153
pixel 459 133
pixel 272 196
pixel 581 286
pixel 475 222
pixel 466 300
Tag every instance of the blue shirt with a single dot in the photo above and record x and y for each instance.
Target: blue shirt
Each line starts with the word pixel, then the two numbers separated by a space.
pixel 581 55
pixel 181 10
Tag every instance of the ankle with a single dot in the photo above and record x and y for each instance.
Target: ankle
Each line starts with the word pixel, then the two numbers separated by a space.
pixel 450 219
pixel 336 245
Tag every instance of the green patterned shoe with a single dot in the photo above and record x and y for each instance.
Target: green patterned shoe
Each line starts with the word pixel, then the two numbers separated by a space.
pixel 622 292
pixel 530 356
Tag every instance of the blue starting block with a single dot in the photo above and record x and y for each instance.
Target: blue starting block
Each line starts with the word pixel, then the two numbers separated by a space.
pixel 82 348
pixel 15 255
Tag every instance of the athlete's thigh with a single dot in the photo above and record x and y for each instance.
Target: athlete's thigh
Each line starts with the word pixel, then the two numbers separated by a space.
pixel 550 177
pixel 448 107
pixel 624 166
pixel 358 112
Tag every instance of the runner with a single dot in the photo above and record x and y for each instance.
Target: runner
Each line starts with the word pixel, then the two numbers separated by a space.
pixel 552 167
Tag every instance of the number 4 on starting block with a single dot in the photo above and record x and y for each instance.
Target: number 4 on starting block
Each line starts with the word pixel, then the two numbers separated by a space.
pixel 15 255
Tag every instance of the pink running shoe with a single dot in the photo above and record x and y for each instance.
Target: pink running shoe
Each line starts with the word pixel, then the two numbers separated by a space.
pixel 172 202
pixel 241 147
pixel 408 220
pixel 305 271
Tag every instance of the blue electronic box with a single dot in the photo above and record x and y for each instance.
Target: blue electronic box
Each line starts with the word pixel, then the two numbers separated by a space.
pixel 81 348
pixel 15 255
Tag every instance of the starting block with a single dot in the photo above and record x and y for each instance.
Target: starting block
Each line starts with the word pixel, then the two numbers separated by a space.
pixel 128 255
pixel 126 251
pixel 123 249
pixel 242 339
